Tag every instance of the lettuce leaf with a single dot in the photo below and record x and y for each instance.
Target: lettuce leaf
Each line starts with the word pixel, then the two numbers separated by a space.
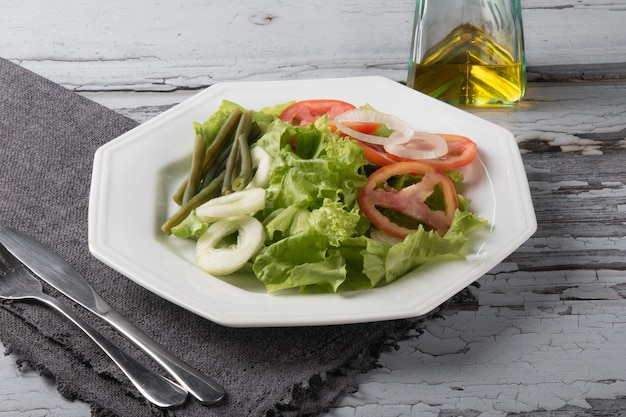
pixel 311 165
pixel 299 261
pixel 334 222
pixel 308 259
pixel 423 246
pixel 190 228
pixel 209 128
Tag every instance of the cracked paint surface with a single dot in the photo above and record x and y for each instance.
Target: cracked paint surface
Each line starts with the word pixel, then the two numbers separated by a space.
pixel 162 46
pixel 25 392
pixel 522 351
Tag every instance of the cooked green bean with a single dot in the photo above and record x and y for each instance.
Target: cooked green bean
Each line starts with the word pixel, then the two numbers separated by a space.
pixel 245 165
pixel 255 133
pixel 210 191
pixel 241 136
pixel 223 137
pixel 230 168
pixel 216 168
pixel 180 192
pixel 195 174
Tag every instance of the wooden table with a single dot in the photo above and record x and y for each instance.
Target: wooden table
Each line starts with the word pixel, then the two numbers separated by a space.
pixel 548 328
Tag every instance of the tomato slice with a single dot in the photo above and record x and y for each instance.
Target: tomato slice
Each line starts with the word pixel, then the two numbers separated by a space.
pixel 363 127
pixel 461 152
pixel 411 201
pixel 303 112
pixel 377 155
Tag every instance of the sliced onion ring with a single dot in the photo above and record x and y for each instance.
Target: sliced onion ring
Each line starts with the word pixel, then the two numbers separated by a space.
pixel 403 131
pixel 247 201
pixel 422 145
pixel 224 261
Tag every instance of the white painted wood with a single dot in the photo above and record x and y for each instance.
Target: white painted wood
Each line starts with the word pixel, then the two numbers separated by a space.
pixel 161 46
pixel 24 392
pixel 547 330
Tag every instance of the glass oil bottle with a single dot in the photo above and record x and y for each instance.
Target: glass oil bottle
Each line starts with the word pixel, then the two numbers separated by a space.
pixel 469 52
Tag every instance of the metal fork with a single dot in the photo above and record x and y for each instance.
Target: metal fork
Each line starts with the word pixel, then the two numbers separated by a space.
pixel 17 283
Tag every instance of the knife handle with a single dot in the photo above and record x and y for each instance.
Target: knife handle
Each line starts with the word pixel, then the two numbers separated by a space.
pixel 154 387
pixel 203 388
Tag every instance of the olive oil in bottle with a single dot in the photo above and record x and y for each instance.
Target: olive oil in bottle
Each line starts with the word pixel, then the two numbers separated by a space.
pixel 469 52
pixel 468 67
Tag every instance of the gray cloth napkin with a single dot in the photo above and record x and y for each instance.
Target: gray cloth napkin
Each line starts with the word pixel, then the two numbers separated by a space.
pixel 48 136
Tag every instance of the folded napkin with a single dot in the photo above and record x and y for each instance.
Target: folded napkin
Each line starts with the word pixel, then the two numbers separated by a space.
pixel 48 136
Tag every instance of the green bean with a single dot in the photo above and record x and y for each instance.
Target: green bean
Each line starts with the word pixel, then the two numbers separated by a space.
pixel 195 174
pixel 245 165
pixel 222 138
pixel 210 191
pixel 241 136
pixel 217 167
pixel 255 133
pixel 180 192
pixel 230 168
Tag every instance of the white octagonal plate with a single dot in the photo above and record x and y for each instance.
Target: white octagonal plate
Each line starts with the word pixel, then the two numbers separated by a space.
pixel 135 175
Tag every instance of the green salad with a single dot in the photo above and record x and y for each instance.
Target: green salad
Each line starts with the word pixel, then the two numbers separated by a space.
pixel 292 194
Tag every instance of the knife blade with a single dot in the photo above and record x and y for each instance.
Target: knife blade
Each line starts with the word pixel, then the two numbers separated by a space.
pixel 60 274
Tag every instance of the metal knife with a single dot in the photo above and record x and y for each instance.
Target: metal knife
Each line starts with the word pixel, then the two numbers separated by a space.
pixel 57 272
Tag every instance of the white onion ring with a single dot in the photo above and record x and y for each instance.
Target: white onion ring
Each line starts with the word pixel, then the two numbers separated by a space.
pixel 224 261
pixel 262 161
pixel 247 201
pixel 422 145
pixel 403 131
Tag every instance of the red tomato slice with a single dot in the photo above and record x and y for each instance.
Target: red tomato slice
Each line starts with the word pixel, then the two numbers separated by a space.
pixel 461 152
pixel 363 127
pixel 304 112
pixel 409 201
pixel 377 155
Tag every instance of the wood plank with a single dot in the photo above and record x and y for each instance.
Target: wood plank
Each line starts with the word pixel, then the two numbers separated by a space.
pixel 523 352
pixel 163 46
pixel 25 392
